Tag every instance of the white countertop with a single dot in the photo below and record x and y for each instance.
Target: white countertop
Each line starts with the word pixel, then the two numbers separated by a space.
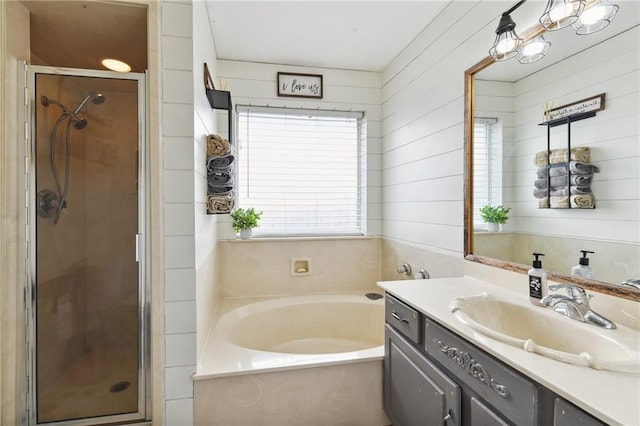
pixel 610 396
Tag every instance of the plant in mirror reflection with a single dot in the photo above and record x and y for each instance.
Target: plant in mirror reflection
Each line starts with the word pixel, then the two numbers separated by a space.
pixel 494 214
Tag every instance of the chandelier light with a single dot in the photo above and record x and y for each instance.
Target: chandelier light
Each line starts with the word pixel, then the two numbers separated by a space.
pixel 585 16
pixel 533 50
pixel 561 13
pixel 595 17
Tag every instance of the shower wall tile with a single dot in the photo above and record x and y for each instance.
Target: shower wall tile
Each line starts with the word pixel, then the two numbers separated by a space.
pixel 179 252
pixel 179 284
pixel 179 412
pixel 177 120
pixel 177 86
pixel 178 382
pixel 180 317
pixel 177 153
pixel 179 219
pixel 177 53
pixel 176 19
pixel 178 186
pixel 180 349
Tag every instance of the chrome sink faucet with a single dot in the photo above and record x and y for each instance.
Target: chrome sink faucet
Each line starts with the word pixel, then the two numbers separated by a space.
pixel 575 305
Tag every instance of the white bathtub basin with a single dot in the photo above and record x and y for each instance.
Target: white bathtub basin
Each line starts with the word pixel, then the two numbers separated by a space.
pixel 258 335
pixel 549 334
pixel 319 324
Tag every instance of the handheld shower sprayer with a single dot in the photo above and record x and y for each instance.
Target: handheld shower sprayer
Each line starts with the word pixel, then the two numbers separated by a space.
pixel 96 98
pixel 50 204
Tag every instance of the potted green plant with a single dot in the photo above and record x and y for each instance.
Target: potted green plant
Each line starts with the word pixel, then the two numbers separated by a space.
pixel 244 221
pixel 494 216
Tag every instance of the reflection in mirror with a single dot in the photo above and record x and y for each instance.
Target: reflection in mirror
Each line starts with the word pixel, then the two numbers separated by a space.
pixel 507 111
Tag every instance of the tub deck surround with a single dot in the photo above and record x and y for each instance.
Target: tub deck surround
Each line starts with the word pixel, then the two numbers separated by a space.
pixel 235 346
pixel 610 396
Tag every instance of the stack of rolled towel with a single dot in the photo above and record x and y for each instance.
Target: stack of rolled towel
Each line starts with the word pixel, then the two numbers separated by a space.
pixel 565 182
pixel 220 177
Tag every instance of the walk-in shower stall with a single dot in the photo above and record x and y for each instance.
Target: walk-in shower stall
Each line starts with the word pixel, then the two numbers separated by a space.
pixel 86 290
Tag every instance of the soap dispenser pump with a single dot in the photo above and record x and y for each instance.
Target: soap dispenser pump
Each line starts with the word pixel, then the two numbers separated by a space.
pixel 537 281
pixel 582 269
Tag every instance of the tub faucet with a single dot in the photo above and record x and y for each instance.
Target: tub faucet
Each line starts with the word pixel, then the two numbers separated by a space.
pixel 575 305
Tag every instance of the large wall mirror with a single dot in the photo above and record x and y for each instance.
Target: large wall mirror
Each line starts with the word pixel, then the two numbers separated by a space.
pixel 504 106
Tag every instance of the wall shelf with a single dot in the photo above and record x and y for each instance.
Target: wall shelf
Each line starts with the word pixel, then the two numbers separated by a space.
pixel 562 122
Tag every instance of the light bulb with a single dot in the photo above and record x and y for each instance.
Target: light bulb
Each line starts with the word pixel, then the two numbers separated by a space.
pixel 593 14
pixel 533 48
pixel 505 45
pixel 561 12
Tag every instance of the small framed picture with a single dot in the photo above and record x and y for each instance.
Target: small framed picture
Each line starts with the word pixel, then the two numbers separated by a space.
pixel 300 85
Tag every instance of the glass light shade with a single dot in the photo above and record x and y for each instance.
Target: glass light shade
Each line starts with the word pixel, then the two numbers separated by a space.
pixel 115 65
pixel 533 50
pixel 506 46
pixel 595 17
pixel 561 13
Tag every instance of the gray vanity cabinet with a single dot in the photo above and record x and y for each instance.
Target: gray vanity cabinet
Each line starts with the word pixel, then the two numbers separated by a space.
pixel 566 414
pixel 417 392
pixel 435 377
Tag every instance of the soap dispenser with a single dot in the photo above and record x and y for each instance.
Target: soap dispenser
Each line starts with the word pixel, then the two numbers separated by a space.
pixel 537 281
pixel 582 269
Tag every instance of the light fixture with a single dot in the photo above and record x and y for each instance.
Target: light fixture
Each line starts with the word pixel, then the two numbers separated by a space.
pixel 533 50
pixel 595 17
pixel 115 65
pixel 507 43
pixel 561 13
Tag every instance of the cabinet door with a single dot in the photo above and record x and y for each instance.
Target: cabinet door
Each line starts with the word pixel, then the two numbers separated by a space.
pixel 481 415
pixel 416 392
pixel 565 414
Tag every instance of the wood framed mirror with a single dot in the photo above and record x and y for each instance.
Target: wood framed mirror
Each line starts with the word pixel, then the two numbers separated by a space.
pixel 605 62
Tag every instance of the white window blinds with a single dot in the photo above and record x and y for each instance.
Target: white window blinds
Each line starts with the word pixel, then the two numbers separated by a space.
pixel 487 165
pixel 302 168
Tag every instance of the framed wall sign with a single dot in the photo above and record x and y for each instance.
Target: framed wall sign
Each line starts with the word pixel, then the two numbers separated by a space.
pixel 300 85
pixel 594 103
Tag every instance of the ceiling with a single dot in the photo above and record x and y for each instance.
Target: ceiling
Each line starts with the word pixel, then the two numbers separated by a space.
pixel 359 35
pixel 77 34
pixel 355 35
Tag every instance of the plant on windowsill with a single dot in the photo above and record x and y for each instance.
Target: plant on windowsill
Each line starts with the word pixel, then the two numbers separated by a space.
pixel 494 216
pixel 244 221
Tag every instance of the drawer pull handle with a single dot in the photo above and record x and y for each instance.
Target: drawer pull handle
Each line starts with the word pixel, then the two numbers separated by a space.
pixel 396 316
pixel 448 417
pixel 475 369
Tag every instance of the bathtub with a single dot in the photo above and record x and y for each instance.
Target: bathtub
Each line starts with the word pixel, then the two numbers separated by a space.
pixel 312 359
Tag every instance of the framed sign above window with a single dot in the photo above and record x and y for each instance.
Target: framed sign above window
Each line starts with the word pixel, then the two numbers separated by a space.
pixel 300 85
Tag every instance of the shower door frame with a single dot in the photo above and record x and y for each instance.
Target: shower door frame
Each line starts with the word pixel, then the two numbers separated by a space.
pixel 141 241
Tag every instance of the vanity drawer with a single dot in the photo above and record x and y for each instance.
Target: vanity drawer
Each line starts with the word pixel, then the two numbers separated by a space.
pixel 508 392
pixel 403 318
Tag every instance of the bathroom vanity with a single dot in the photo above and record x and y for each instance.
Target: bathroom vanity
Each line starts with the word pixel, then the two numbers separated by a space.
pixel 438 371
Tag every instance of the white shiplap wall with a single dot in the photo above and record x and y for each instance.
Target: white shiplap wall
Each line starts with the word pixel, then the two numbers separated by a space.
pixel 253 83
pixel 189 233
pixel 423 129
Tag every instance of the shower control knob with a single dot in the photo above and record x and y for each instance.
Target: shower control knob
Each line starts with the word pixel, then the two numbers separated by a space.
pixel 47 203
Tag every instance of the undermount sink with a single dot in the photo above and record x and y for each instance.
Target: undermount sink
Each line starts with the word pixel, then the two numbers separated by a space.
pixel 547 333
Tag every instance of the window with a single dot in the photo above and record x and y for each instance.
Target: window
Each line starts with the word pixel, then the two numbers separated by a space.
pixel 487 165
pixel 303 169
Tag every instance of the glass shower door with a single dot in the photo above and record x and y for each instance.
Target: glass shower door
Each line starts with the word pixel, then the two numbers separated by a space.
pixel 88 331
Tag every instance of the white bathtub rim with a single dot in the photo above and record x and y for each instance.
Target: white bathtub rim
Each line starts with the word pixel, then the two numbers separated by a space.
pixel 222 358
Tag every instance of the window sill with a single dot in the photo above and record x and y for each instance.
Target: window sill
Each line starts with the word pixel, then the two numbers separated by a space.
pixel 307 238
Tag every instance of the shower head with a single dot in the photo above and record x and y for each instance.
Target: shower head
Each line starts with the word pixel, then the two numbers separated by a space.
pixel 96 98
